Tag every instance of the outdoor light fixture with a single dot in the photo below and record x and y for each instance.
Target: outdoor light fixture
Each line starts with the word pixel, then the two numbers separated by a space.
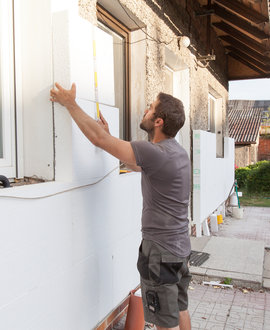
pixel 183 41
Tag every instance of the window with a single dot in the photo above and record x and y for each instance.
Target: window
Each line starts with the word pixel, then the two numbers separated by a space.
pixel 215 121
pixel 121 37
pixel 7 109
pixel 168 88
pixel 211 113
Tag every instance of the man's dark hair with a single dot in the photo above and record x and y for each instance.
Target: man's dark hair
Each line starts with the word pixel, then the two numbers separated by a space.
pixel 171 110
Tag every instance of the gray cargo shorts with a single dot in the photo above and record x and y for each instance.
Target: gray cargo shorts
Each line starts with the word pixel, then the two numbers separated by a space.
pixel 164 283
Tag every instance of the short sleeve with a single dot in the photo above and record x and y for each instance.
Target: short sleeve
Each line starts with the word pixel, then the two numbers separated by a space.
pixel 148 155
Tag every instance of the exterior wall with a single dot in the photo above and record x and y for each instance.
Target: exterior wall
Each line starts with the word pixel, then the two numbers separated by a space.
pixel 246 155
pixel 264 148
pixel 69 247
pixel 213 177
pixel 69 259
pixel 202 80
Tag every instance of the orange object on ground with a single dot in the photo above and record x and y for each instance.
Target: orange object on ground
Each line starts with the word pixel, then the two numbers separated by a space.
pixel 219 219
pixel 135 318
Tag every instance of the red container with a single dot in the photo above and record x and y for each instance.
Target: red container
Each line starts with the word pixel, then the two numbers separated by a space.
pixel 135 317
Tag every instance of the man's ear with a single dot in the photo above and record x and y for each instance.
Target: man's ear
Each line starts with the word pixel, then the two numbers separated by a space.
pixel 159 122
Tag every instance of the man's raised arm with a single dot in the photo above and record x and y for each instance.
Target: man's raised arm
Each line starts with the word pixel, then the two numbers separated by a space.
pixel 90 128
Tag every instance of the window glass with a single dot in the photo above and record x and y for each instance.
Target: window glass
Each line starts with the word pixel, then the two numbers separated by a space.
pixel 119 75
pixel 211 113
pixel 168 88
pixel 7 121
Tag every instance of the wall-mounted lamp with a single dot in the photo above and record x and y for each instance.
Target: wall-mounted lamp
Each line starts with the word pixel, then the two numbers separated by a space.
pixel 183 41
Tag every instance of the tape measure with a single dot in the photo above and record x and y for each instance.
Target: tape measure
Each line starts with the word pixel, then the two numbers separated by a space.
pixel 95 73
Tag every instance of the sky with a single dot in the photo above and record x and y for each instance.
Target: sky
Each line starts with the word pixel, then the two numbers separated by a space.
pixel 252 89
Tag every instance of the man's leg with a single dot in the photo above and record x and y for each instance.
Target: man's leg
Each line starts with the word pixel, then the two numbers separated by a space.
pixel 184 320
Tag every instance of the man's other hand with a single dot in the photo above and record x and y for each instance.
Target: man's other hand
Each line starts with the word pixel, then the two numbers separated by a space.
pixel 103 123
pixel 65 97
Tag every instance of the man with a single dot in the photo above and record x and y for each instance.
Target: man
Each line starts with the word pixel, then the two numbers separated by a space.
pixel 165 167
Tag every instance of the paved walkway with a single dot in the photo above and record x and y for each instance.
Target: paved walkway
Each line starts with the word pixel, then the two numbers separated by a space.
pixel 233 309
pixel 255 225
pixel 228 309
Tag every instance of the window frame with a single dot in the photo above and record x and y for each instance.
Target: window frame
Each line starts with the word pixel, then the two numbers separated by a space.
pixel 8 161
pixel 112 23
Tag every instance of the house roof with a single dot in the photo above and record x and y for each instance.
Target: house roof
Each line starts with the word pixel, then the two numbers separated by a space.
pixel 244 122
pixel 243 28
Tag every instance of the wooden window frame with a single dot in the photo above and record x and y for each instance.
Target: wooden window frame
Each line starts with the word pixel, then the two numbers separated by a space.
pixel 111 22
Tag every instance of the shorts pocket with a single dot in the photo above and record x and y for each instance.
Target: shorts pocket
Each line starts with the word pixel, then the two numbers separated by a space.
pixel 170 270
pixel 142 264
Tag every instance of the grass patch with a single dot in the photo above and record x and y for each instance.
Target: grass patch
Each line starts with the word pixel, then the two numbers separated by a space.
pixel 254 200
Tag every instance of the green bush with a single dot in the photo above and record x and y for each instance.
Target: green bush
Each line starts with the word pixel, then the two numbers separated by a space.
pixel 255 178
pixel 241 175
pixel 258 179
pixel 258 164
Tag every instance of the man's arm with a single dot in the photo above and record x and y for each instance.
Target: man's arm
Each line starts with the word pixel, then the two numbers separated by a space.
pixel 134 168
pixel 90 128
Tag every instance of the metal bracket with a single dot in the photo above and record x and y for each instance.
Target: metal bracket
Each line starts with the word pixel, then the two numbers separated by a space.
pixel 206 58
pixel 205 12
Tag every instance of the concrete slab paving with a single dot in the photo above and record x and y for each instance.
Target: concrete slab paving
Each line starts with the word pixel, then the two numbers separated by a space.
pixel 239 259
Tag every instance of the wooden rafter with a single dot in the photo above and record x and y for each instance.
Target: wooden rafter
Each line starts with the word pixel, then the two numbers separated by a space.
pixel 241 37
pixel 239 22
pixel 245 49
pixel 247 58
pixel 251 66
pixel 240 9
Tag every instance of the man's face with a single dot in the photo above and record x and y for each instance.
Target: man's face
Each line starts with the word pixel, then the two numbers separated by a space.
pixel 147 123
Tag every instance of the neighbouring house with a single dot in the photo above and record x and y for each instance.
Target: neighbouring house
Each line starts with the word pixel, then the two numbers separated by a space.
pixel 70 223
pixel 249 126
pixel 244 128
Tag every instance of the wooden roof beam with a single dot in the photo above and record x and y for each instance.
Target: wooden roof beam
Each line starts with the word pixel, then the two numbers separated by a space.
pixel 260 48
pixel 239 22
pixel 240 9
pixel 248 59
pixel 245 49
pixel 241 60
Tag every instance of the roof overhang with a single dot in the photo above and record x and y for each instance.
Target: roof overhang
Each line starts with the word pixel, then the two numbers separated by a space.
pixel 244 30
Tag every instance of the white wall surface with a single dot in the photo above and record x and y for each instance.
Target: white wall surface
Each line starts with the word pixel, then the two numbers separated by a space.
pixel 68 260
pixel 68 249
pixel 33 43
pixel 212 177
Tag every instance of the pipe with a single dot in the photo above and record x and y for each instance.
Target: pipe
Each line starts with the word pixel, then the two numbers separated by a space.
pixel 4 181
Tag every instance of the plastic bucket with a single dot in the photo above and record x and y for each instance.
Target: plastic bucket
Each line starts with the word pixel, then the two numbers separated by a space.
pixel 219 219
pixel 135 317
pixel 238 212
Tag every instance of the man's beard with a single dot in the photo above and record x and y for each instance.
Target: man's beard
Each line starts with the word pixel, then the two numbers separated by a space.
pixel 148 127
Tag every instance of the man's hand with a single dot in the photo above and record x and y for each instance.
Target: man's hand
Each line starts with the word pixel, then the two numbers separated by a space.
pixel 65 97
pixel 103 123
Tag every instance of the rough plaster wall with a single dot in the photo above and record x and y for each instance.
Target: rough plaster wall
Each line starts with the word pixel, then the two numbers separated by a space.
pixel 87 10
pixel 164 23
pixel 200 78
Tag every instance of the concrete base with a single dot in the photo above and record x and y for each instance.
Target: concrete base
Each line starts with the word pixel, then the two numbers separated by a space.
pixel 237 212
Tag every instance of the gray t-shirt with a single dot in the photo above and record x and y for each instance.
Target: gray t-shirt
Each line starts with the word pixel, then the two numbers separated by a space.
pixel 165 189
